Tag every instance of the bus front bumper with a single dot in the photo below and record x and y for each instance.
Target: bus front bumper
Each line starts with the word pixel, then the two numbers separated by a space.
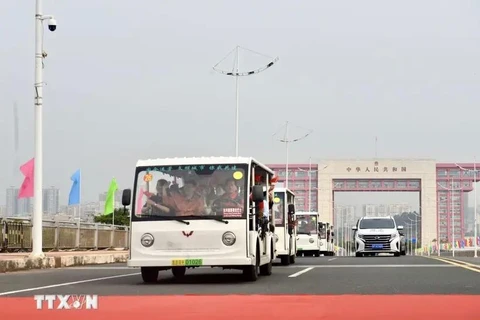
pixel 191 262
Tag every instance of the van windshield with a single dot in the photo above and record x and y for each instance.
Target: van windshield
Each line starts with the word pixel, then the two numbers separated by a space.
pixel 377 224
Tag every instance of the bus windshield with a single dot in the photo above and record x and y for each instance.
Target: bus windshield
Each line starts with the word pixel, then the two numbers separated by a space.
pixel 322 232
pixel 306 224
pixel 197 191
pixel 279 208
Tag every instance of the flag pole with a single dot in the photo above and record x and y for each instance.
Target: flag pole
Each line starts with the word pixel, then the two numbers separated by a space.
pixel 80 194
pixel 113 206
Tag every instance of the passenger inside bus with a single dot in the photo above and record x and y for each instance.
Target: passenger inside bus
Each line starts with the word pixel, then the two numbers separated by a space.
pixel 231 198
pixel 154 206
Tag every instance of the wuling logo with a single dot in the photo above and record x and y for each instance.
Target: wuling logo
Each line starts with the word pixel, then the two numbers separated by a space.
pixel 187 234
pixel 68 302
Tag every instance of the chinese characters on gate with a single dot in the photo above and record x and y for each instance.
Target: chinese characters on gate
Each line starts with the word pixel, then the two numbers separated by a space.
pixel 376 168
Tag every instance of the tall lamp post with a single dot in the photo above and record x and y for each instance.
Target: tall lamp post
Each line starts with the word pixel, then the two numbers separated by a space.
pixel 286 139
pixel 37 238
pixel 475 235
pixel 310 171
pixel 235 72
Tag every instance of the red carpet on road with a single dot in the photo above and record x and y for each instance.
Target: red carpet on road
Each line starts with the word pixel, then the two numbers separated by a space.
pixel 337 307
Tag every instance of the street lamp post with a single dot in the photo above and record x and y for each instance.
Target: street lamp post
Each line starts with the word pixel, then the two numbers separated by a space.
pixel 287 141
pixel 310 171
pixel 37 238
pixel 475 235
pixel 235 72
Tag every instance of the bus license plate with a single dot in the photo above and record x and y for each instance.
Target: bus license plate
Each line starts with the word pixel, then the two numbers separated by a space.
pixel 377 246
pixel 187 262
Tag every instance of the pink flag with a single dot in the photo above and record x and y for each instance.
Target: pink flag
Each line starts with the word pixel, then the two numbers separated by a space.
pixel 139 201
pixel 26 190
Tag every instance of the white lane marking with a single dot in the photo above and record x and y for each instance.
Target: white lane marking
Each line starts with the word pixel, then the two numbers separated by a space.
pixel 300 272
pixel 331 259
pixel 369 266
pixel 100 268
pixel 68 284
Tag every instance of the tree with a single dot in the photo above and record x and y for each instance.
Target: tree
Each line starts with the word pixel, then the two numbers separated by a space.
pixel 122 218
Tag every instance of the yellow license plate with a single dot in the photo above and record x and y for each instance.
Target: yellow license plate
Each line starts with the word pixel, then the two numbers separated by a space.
pixel 187 262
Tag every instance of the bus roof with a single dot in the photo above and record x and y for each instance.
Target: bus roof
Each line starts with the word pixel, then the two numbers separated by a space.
pixel 188 161
pixel 283 190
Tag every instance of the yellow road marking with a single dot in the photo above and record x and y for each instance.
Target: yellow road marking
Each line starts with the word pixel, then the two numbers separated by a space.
pixel 461 264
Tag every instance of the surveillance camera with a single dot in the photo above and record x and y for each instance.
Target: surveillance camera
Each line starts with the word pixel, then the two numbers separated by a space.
pixel 52 24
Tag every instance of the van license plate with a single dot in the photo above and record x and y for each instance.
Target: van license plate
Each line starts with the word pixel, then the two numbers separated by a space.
pixel 187 262
pixel 377 246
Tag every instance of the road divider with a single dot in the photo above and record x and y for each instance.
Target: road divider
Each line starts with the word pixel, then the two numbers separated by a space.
pixel 21 261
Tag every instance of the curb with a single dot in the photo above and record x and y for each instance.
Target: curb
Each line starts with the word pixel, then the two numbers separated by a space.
pixel 26 263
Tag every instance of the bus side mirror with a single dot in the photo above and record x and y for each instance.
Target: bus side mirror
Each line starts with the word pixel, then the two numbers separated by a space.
pixel 257 194
pixel 354 228
pixel 291 209
pixel 126 196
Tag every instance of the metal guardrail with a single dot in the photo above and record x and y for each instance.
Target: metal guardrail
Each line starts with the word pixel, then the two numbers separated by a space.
pixel 16 235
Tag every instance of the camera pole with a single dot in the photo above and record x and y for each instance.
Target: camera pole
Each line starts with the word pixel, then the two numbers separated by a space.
pixel 37 237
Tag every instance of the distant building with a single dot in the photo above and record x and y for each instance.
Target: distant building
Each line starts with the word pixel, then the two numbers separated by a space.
pixel 298 182
pixel 24 207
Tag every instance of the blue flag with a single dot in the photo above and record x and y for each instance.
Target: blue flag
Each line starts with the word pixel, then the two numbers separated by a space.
pixel 74 197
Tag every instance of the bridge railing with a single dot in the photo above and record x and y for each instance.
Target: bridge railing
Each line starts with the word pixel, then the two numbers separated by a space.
pixel 16 235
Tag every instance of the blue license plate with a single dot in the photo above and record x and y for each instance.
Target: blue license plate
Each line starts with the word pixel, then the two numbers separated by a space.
pixel 377 246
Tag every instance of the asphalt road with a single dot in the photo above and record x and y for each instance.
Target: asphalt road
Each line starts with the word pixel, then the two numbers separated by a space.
pixel 322 275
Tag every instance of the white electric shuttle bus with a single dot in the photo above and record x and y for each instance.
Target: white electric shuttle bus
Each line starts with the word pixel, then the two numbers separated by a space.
pixel 325 236
pixel 308 237
pixel 200 212
pixel 286 236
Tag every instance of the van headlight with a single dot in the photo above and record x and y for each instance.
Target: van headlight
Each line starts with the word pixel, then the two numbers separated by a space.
pixel 147 240
pixel 229 238
pixel 393 236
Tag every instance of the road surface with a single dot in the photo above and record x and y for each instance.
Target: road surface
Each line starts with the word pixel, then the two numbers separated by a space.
pixel 375 282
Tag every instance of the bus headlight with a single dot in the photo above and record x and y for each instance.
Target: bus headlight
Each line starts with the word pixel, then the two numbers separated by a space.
pixel 146 240
pixel 229 238
pixel 311 240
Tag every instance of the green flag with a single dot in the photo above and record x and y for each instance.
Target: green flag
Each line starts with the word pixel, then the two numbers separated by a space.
pixel 110 201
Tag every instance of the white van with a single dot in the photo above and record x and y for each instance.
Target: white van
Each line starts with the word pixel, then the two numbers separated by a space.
pixel 375 235
pixel 200 212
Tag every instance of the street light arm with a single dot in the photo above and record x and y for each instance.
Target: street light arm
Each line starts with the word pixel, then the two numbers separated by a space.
pixel 247 73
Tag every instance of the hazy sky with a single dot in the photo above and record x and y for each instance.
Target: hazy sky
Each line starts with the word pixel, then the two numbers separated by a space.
pixel 133 79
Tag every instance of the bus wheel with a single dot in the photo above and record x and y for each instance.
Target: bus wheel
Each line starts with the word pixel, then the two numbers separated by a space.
pixel 285 260
pixel 292 258
pixel 179 272
pixel 250 273
pixel 149 274
pixel 266 269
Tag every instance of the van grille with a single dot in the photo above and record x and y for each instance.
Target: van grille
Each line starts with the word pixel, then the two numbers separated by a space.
pixel 372 240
